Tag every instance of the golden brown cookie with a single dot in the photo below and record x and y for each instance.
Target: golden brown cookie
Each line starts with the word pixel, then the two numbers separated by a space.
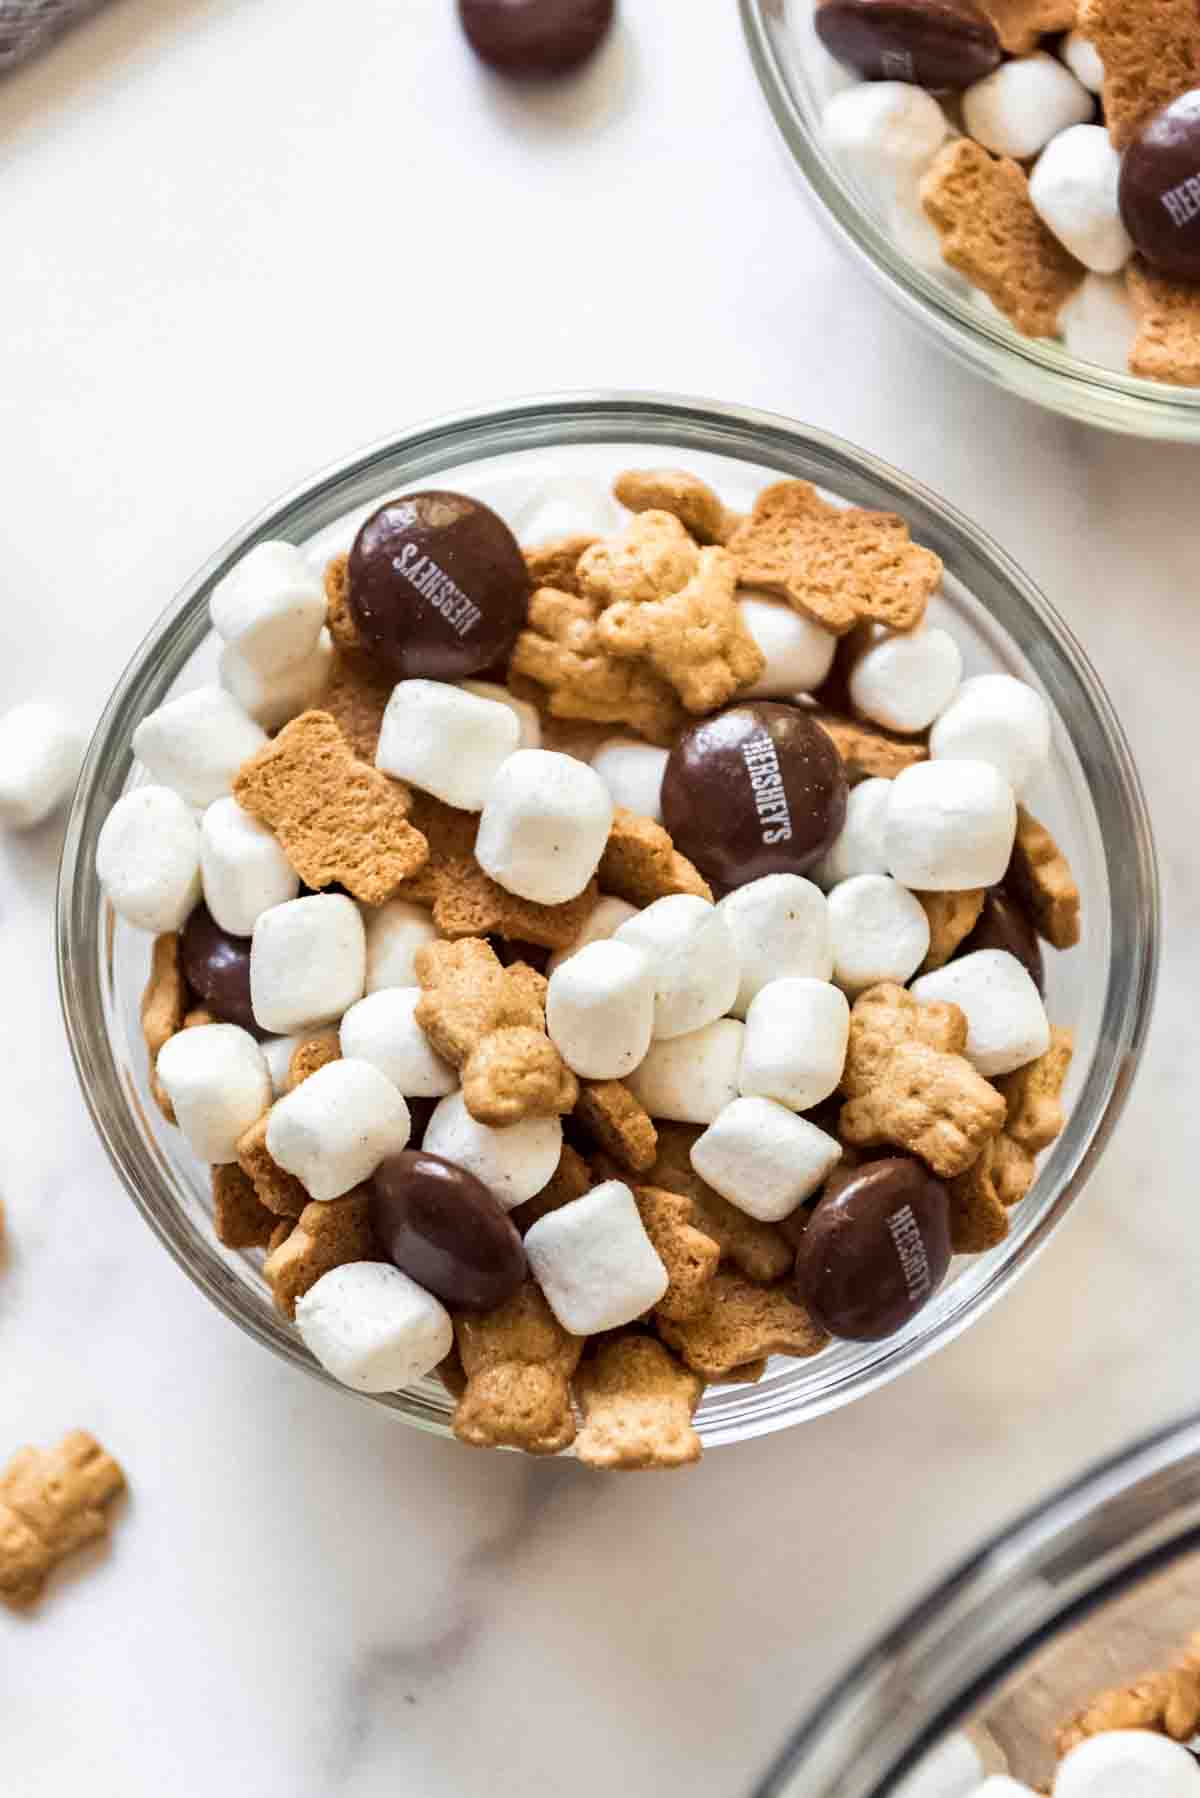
pixel 952 918
pixel 278 1191
pixel 1033 1095
pixel 653 557
pixel 761 1251
pixel 570 1180
pixel 618 1123
pixel 240 1219
pixel 1040 880
pixel 689 1256
pixel 553 564
pixel 1166 1703
pixel 1167 344
pixel 641 864
pixel 1021 24
pixel 316 1052
pixel 52 1502
pixel 325 1236
pixel 518 1361
pixel 978 1218
pixel 694 639
pixel 164 1007
pixel 356 698
pixel 561 650
pixel 688 498
pixel 1151 53
pixel 868 752
pixel 338 615
pixel 741 1322
pixel 637 1404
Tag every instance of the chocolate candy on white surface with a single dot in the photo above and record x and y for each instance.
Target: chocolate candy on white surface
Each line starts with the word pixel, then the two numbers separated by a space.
pixel 1160 188
pixel 934 43
pixel 372 1327
pixel 535 38
pixel 442 1227
pixel 41 753
pixel 216 965
pixel 876 1248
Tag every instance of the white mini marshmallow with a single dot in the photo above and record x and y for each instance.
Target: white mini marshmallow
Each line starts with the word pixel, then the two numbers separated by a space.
pixel 691 1079
pixel 278 1052
pixel 308 962
pixel 604 920
pixel 594 1261
pixel 600 1010
pixel 568 506
pixel 395 931
pixel 544 826
pixel 904 679
pixel 1074 192
pixel 949 826
pixel 529 724
pixel 217 1080
pixel 1007 1024
pixel 860 847
pixel 693 957
pixel 999 1785
pixel 916 234
pixel 632 771
pixel 799 652
pixel 998 719
pixel 882 133
pixel 41 753
pixel 796 1037
pixel 879 931
pixel 382 1029
pixel 513 1163
pixel 148 859
pixel 372 1327
pixel 336 1127
pixel 1084 61
pixel 1127 1763
pixel 270 607
pixel 1098 323
pixel 1020 106
pixel 245 871
pixel 953 1769
pixel 763 1158
pixel 195 744
pixel 446 741
pixel 779 926
pixel 272 699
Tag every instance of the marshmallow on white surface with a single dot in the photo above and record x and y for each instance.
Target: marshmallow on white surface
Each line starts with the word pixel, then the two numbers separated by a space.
pixel 600 1010
pixel 446 741
pixel 272 699
pixel 1073 190
pixel 544 826
pixel 1127 1763
pixel 569 506
pixel 604 920
pixel 1020 106
pixel 594 1261
pixel 148 859
pixel 795 1049
pixel 799 652
pixel 336 1127
pixel 1006 1019
pixel 244 870
pixel 529 725
pixel 905 678
pixel 308 962
pixel 278 1052
pixel 1098 323
pixel 882 132
pixel 779 925
pixel 395 931
pixel 691 1079
pixel 217 1080
pixel 1084 61
pixel 949 826
pixel 878 930
pixel 514 1163
pixel 763 1158
pixel 998 719
pixel 41 753
pixel 372 1327
pixel 859 848
pixel 632 771
pixel 196 743
pixel 383 1030
pixel 693 958
pixel 270 607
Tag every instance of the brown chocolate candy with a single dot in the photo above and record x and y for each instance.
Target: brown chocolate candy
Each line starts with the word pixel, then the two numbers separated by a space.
pixel 440 1225
pixel 935 43
pixel 876 1249
pixel 1159 191
pixel 217 968
pixel 535 37
pixel 437 586
pixel 759 789
pixel 1003 925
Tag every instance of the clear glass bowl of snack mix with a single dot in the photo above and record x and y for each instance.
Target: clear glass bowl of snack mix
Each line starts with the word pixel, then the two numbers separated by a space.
pixel 1032 1645
pixel 798 78
pixel 1090 798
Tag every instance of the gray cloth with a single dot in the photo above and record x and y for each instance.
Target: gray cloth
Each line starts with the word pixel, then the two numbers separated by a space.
pixel 25 25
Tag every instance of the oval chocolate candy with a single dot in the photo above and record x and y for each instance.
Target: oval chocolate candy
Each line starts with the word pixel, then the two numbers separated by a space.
pixel 934 43
pixel 440 1225
pixel 876 1249
pixel 759 789
pixel 1159 190
pixel 535 37
pixel 1003 925
pixel 438 586
pixel 217 968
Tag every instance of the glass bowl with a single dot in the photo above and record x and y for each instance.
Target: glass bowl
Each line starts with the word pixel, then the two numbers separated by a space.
pixel 781 40
pixel 1090 798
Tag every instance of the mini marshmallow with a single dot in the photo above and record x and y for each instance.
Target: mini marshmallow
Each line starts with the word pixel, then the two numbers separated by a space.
pixel 244 870
pixel 446 741
pixel 382 1029
pixel 779 926
pixel 594 1261
pixel 763 1158
pixel 1074 192
pixel 569 506
pixel 1127 1763
pixel 1084 61
pixel 529 725
pixel 1006 1020
pixel 796 1037
pixel 217 1080
pixel 632 771
pixel 278 1052
pixel 1020 106
pixel 949 826
pixel 879 931
pixel 859 848
pixel 544 826
pixel 195 744
pixel 41 753
pixel 999 1785
pixel 998 719
pixel 272 699
pixel 336 1127
pixel 148 859
pixel 882 132
pixel 372 1327
pixel 904 679
pixel 600 1010
pixel 953 1769
pixel 916 234
pixel 799 652
pixel 308 962
pixel 514 1163
pixel 395 931
pixel 691 1079
pixel 1098 323
pixel 693 958
pixel 604 920
pixel 270 607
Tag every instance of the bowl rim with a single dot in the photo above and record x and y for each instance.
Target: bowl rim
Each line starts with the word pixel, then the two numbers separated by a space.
pixel 595 417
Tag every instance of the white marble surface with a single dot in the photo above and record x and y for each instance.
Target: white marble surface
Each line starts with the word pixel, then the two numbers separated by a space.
pixel 239 238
